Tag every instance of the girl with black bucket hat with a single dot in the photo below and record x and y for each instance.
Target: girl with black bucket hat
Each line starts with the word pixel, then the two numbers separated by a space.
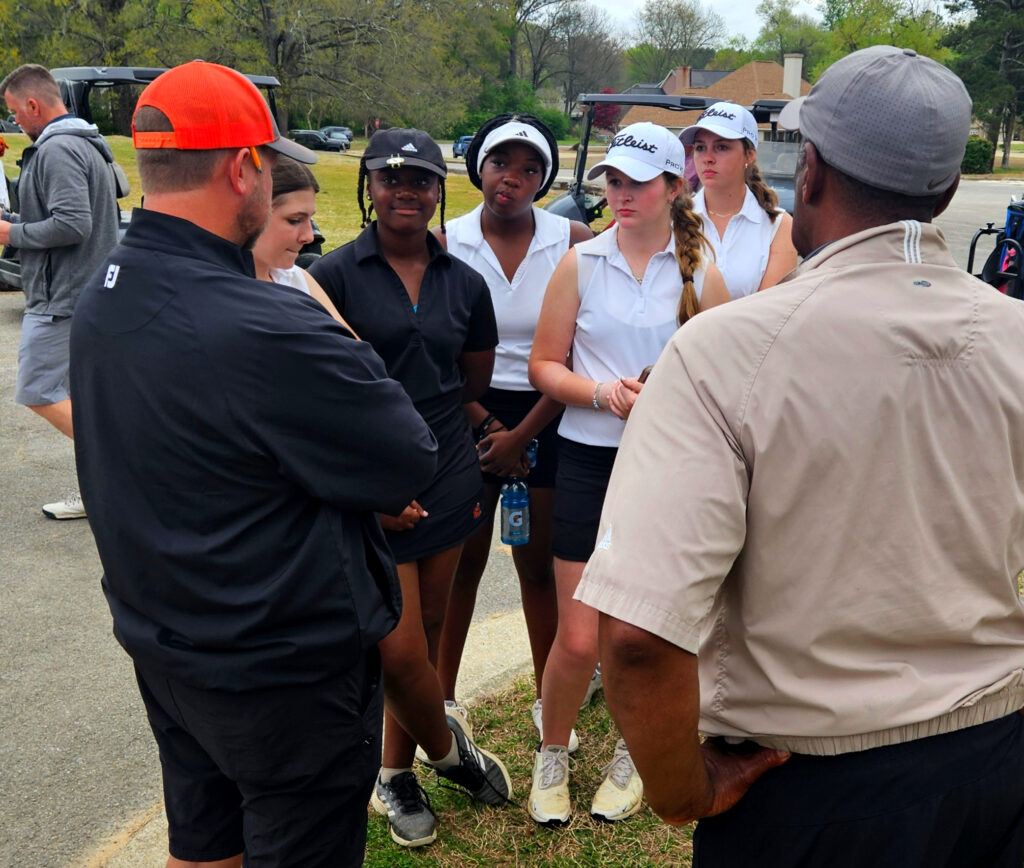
pixel 513 160
pixel 429 316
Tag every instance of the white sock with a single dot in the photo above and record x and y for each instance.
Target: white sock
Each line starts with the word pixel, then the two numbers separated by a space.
pixel 451 759
pixel 387 774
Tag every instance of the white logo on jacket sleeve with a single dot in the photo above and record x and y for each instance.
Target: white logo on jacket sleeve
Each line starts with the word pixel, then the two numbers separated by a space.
pixel 111 277
pixel 606 540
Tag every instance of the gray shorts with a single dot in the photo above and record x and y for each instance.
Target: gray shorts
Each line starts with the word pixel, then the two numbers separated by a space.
pixel 43 357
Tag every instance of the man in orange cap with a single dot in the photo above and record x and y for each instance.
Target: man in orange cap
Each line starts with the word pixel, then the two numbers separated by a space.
pixel 234 443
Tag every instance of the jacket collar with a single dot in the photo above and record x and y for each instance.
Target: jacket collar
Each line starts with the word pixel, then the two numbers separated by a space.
pixel 154 230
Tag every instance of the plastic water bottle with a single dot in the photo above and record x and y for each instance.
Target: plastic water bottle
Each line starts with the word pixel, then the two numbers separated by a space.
pixel 515 512
pixel 531 452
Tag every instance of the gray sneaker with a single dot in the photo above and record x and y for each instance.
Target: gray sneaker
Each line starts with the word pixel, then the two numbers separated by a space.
pixel 479 772
pixel 407 807
pixel 70 507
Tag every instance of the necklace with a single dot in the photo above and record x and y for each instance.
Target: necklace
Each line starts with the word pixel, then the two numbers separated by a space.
pixel 723 213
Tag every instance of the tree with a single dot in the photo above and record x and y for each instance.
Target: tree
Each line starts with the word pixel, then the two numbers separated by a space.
pixel 784 31
pixel 671 33
pixel 589 56
pixel 856 24
pixel 606 115
pixel 989 43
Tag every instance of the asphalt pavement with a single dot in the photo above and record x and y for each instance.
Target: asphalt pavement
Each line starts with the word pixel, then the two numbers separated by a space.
pixel 79 777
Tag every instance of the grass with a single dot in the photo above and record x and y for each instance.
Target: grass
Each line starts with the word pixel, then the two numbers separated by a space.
pixel 473 835
pixel 337 209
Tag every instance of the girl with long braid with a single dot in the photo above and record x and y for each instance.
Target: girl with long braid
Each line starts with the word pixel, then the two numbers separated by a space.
pixel 429 317
pixel 611 305
pixel 750 235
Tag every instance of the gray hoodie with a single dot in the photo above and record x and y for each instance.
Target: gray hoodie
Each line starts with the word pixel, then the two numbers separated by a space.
pixel 68 218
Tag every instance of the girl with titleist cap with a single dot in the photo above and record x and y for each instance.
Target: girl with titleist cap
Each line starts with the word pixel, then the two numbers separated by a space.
pixel 612 303
pixel 429 317
pixel 750 235
pixel 292 206
pixel 513 160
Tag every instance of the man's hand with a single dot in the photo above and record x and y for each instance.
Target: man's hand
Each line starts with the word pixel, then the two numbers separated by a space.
pixel 5 232
pixel 407 519
pixel 731 774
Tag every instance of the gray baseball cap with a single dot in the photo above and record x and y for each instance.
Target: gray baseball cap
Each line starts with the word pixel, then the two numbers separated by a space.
pixel 888 117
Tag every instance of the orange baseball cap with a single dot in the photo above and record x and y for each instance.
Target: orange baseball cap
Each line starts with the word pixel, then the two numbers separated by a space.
pixel 211 106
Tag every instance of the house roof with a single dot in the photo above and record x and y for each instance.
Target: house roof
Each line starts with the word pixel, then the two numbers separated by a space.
pixel 759 79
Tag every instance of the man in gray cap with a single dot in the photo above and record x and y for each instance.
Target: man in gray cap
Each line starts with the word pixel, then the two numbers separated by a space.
pixel 812 537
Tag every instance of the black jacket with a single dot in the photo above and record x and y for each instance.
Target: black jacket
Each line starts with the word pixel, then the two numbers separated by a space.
pixel 233 443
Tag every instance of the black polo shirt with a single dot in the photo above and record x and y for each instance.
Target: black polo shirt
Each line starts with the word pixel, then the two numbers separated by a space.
pixel 420 347
pixel 233 442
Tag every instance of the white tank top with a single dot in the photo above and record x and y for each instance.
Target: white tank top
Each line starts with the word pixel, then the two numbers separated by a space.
pixel 742 256
pixel 516 303
pixel 294 277
pixel 621 327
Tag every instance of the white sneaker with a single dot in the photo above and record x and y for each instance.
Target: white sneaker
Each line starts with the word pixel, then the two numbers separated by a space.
pixel 451 707
pixel 596 683
pixel 538 721
pixel 70 507
pixel 549 796
pixel 621 793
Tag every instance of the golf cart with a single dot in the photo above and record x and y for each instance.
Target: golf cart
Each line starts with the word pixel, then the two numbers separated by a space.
pixel 1003 266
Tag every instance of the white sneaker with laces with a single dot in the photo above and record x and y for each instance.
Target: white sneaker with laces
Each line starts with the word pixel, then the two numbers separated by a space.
pixel 538 721
pixel 621 793
pixel 549 796
pixel 70 507
pixel 451 707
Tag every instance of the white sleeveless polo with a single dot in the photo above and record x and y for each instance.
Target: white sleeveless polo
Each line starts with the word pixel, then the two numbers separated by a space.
pixel 517 303
pixel 621 327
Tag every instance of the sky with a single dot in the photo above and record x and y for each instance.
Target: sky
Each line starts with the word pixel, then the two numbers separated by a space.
pixel 738 15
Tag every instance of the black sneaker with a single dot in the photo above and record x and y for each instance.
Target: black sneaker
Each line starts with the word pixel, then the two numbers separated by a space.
pixel 407 807
pixel 479 772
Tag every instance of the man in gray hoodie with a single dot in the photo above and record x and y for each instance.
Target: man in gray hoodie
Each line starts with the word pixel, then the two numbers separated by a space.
pixel 66 226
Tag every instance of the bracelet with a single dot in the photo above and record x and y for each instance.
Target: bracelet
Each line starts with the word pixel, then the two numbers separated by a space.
pixel 481 430
pixel 597 396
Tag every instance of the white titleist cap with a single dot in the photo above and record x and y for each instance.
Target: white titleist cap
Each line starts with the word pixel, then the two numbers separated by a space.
pixel 725 119
pixel 642 152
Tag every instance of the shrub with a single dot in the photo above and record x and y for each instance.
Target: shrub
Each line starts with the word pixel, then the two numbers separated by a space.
pixel 557 122
pixel 978 156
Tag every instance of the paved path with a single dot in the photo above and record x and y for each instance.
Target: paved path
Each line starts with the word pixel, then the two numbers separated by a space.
pixel 79 782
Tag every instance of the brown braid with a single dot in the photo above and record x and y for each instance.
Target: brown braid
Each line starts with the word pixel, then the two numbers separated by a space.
pixel 765 195
pixel 688 230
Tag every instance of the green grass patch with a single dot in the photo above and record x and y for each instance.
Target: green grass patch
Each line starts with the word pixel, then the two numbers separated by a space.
pixel 475 835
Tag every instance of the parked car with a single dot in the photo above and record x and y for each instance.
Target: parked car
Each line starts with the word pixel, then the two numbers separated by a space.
pixel 338 136
pixel 317 141
pixel 9 126
pixel 460 146
pixel 345 131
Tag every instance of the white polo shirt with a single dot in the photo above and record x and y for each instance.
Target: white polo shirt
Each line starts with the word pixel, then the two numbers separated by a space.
pixel 742 255
pixel 622 325
pixel 517 302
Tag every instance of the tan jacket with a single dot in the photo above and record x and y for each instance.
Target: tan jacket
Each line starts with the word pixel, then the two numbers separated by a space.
pixel 820 492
